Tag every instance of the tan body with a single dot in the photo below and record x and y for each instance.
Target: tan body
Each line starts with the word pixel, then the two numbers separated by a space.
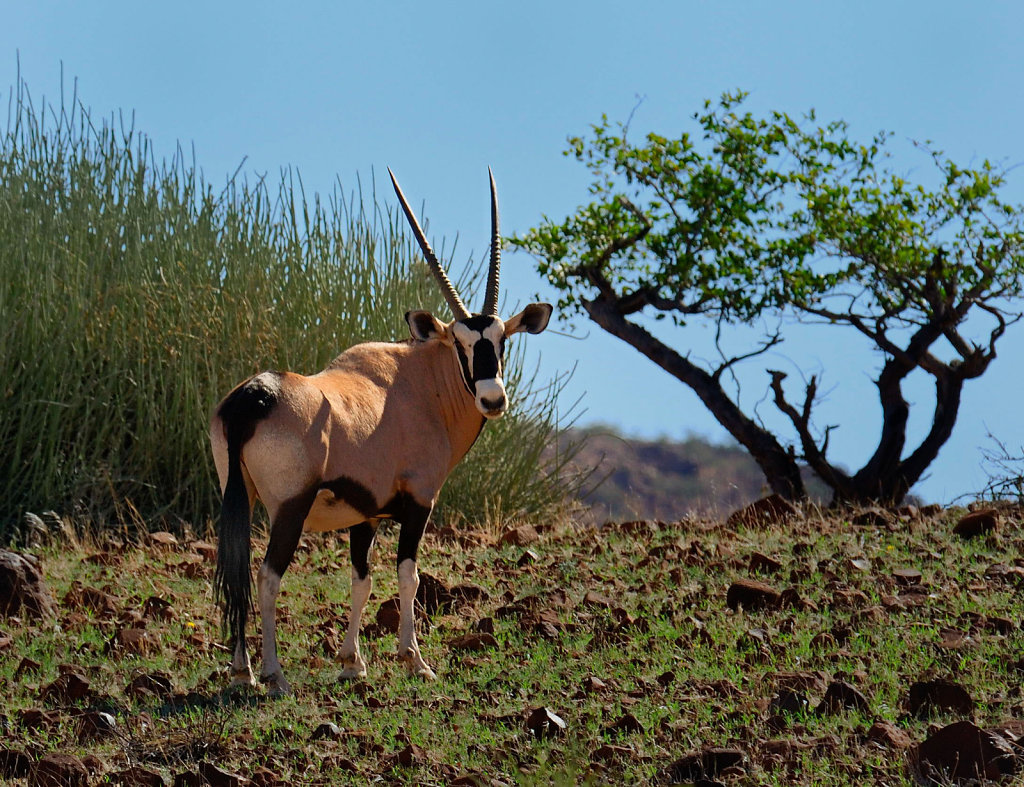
pixel 392 417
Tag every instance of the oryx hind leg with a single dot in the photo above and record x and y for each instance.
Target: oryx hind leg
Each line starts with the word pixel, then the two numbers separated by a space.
pixel 413 518
pixel 285 531
pixel 360 544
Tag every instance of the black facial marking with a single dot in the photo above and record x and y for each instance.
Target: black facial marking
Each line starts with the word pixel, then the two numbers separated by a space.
pixel 286 530
pixel 485 361
pixel 467 375
pixel 478 322
pixel 413 517
pixel 360 542
pixel 355 494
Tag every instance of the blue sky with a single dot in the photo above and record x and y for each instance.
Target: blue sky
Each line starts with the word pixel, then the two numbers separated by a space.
pixel 439 91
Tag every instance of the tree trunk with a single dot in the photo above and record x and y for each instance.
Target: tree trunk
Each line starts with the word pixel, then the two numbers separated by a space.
pixel 778 464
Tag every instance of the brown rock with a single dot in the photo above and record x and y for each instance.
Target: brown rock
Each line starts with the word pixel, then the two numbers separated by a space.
pixel 216 777
pixel 707 763
pixel 593 683
pixel 873 516
pixel 433 594
pixel 545 723
pixel 611 753
pixel 68 688
pixel 627 723
pixel 770 510
pixel 389 615
pixel 907 577
pixel 188 779
pixel 788 701
pixel 411 755
pixel 14 764
pixel 977 523
pixel 963 751
pixel 130 642
pixel 889 735
pixel 751 594
pixel 521 536
pixel 23 590
pixel 162 538
pixel 58 770
pixel 939 696
pixel 150 684
pixel 474 642
pixel 762 564
pixel 842 696
pixel 96 725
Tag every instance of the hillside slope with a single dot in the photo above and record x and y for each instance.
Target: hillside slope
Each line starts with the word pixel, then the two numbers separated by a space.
pixel 666 479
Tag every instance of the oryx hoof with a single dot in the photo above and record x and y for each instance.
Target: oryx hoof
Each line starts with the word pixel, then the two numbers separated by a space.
pixel 276 684
pixel 352 668
pixel 416 665
pixel 242 679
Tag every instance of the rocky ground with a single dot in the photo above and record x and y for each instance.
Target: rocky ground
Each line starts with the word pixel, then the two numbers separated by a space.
pixel 779 647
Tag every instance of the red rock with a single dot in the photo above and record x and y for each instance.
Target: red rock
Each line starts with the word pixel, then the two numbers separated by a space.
pixel 14 764
pixel 389 615
pixel 770 510
pixel 707 763
pixel 68 688
pixel 521 536
pixel 474 642
pixel 977 523
pixel 216 777
pixel 751 594
pixel 889 735
pixel 939 696
pixel 842 696
pixel 963 751
pixel 58 770
pixel 762 564
pixel 23 590
pixel 545 723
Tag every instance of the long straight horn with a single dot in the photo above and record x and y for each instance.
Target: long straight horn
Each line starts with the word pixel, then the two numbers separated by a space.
pixel 447 288
pixel 494 270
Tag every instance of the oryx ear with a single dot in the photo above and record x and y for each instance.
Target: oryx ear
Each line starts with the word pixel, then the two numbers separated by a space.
pixel 533 319
pixel 424 326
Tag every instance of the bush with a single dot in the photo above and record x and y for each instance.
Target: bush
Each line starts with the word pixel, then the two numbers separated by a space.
pixel 134 295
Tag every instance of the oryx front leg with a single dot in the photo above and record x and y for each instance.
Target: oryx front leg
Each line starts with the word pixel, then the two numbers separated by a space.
pixel 360 543
pixel 414 520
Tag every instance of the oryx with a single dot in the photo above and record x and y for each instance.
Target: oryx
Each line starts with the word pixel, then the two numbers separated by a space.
pixel 373 436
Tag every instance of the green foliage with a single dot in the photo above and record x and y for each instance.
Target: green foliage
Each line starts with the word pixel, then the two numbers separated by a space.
pixel 759 214
pixel 770 220
pixel 134 295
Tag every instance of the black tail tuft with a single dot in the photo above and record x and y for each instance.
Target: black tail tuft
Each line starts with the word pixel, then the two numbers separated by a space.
pixel 232 581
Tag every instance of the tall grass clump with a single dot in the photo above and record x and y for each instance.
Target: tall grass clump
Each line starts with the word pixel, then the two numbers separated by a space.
pixel 133 295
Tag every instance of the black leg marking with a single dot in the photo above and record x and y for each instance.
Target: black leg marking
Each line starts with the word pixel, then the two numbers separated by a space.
pixel 353 493
pixel 413 518
pixel 360 542
pixel 286 530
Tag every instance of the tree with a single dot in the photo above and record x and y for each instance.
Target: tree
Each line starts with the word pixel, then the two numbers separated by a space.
pixel 771 220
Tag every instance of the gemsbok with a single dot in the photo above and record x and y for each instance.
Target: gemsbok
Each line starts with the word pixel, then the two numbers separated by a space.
pixel 371 437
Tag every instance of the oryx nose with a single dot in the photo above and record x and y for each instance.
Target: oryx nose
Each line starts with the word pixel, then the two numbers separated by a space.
pixel 494 405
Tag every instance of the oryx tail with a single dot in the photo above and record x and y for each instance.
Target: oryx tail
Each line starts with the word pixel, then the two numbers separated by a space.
pixel 232 582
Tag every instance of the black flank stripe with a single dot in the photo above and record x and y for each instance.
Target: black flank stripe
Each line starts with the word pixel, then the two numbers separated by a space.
pixel 353 493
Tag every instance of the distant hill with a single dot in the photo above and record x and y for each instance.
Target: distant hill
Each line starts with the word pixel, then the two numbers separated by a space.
pixel 666 479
